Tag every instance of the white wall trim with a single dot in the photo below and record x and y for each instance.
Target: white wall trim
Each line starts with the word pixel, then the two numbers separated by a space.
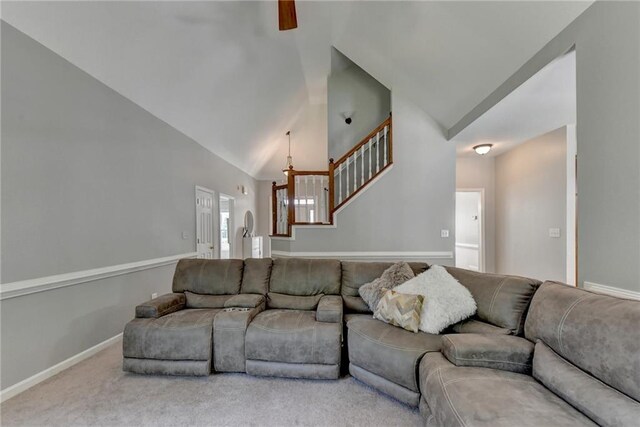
pixel 610 290
pixel 41 284
pixel 380 256
pixel 467 245
pixel 23 385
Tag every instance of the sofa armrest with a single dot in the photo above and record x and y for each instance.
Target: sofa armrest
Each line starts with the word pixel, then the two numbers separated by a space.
pixel 161 305
pixel 504 352
pixel 329 309
pixel 245 301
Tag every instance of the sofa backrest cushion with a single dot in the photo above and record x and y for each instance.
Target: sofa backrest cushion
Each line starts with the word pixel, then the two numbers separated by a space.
pixel 256 275
pixel 305 277
pixel 597 333
pixel 205 300
pixel 208 276
pixel 603 404
pixel 293 302
pixel 502 300
pixel 358 273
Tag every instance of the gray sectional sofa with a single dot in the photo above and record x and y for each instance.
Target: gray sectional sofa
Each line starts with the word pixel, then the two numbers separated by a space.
pixel 534 354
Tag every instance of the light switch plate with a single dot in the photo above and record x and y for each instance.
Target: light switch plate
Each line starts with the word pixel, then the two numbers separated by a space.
pixel 554 233
pixel 444 233
pixel 185 236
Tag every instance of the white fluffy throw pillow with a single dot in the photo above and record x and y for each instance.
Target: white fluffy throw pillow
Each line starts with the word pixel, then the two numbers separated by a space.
pixel 446 301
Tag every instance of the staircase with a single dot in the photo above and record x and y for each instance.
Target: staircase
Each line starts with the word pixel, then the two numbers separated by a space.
pixel 314 197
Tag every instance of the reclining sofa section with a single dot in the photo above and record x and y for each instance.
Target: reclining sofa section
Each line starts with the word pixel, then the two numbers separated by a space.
pixel 174 333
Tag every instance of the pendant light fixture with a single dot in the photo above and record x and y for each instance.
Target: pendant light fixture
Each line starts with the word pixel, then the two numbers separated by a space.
pixel 289 164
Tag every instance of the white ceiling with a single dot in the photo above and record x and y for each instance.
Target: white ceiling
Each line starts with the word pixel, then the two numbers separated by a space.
pixel 221 73
pixel 545 102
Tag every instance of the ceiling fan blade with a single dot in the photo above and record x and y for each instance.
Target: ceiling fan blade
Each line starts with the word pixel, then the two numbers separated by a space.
pixel 287 15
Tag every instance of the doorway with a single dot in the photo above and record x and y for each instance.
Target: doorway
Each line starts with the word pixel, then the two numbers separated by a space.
pixel 204 223
pixel 469 244
pixel 226 204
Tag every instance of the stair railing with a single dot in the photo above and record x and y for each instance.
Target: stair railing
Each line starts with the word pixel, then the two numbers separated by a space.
pixel 363 163
pixel 309 197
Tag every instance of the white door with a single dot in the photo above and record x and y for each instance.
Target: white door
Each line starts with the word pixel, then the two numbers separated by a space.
pixel 469 239
pixel 226 226
pixel 204 223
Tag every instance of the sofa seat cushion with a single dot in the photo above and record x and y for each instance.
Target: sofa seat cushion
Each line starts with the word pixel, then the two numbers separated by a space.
pixel 293 336
pixel 183 335
pixel 466 396
pixel 388 351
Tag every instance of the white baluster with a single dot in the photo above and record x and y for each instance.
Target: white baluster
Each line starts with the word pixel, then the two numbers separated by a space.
pixel 306 198
pixel 347 180
pixel 385 146
pixel 315 198
pixel 362 161
pixel 340 184
pixel 370 143
pixel 355 170
pixel 378 152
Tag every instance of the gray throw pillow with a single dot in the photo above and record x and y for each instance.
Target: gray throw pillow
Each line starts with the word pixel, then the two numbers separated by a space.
pixel 393 276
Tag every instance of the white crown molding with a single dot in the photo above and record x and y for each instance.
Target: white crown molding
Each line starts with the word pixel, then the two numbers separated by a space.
pixel 378 256
pixel 610 290
pixel 41 284
pixel 23 385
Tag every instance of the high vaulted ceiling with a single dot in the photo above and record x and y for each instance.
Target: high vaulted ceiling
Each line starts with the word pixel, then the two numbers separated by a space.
pixel 223 74
pixel 545 102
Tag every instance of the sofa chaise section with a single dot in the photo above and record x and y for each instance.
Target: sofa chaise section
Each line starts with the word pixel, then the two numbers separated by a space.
pixel 299 335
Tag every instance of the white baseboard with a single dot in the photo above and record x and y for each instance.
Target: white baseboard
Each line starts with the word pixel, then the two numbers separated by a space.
pixel 610 290
pixel 369 256
pixel 23 385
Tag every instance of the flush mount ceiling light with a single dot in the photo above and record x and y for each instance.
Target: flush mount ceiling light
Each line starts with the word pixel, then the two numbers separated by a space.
pixel 289 165
pixel 483 149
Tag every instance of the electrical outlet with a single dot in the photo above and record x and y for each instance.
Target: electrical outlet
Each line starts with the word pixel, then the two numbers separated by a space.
pixel 554 233
pixel 185 235
pixel 154 295
pixel 444 233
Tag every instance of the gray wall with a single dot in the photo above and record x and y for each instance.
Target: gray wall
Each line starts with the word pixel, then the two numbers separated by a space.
pixel 354 92
pixel 607 42
pixel 479 172
pixel 406 209
pixel 531 193
pixel 89 179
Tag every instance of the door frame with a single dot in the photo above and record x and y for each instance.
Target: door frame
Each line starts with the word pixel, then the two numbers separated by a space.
pixel 231 227
pixel 216 249
pixel 481 209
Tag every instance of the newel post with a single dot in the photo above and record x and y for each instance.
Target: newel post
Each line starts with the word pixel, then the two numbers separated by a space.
pixel 331 189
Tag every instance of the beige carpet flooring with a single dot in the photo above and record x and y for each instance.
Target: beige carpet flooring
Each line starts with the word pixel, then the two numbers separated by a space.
pixel 97 392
